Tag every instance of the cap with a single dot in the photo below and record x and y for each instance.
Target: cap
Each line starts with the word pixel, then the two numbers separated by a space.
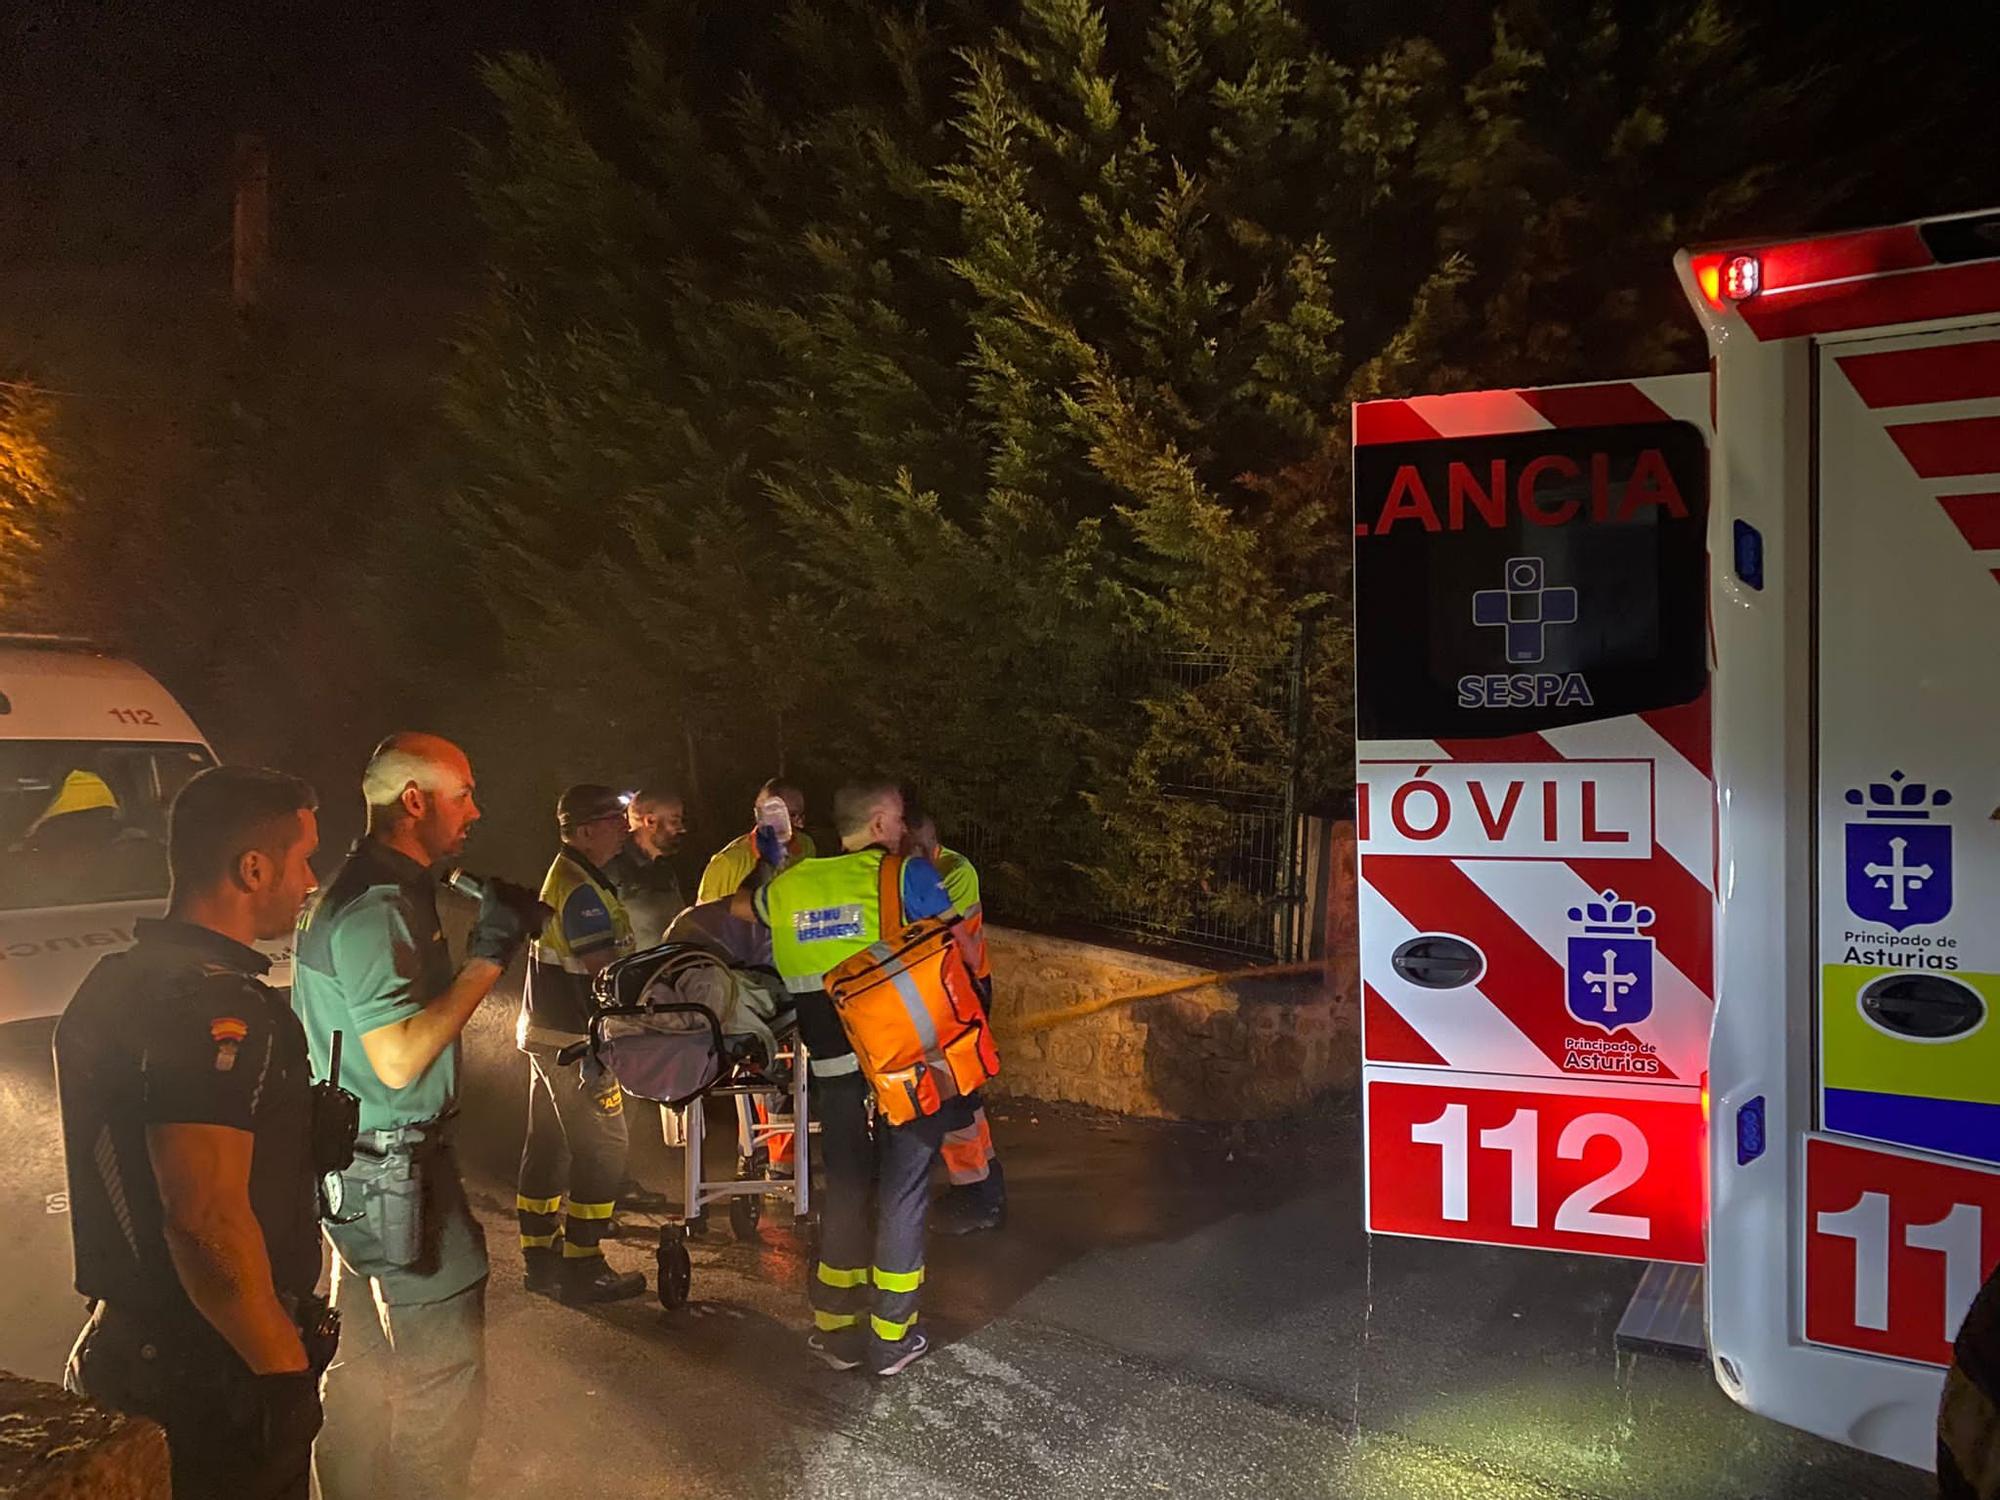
pixel 585 803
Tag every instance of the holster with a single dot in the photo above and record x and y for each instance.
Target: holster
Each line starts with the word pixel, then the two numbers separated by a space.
pixel 390 1178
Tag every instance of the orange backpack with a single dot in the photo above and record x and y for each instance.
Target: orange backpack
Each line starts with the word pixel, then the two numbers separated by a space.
pixel 911 1012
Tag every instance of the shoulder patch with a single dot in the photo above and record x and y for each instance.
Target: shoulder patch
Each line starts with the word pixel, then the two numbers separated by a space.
pixel 228 1033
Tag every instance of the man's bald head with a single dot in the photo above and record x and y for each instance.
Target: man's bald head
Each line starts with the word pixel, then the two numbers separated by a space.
pixel 419 790
pixel 429 762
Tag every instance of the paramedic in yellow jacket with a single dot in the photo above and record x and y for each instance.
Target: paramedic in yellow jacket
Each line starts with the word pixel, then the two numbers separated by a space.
pixel 977 1199
pixel 574 1157
pixel 822 912
pixel 737 860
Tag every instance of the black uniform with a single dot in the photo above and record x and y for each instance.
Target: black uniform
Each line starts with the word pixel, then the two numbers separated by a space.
pixel 180 1031
pixel 650 890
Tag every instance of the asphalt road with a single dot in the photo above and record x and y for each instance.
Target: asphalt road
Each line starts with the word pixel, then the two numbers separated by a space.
pixel 1170 1310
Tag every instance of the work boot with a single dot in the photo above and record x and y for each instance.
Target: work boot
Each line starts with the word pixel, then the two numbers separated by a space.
pixel 893 1359
pixel 839 1348
pixel 544 1269
pixel 970 1209
pixel 640 1199
pixel 590 1279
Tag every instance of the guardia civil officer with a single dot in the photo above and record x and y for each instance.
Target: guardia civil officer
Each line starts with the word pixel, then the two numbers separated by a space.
pixel 187 1127
pixel 405 1398
pixel 877 1195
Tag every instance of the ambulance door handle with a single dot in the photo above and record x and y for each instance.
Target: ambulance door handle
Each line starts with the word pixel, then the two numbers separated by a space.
pixel 1438 961
pixel 1928 1007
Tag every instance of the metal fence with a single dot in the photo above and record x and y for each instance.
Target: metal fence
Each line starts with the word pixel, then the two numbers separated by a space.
pixel 1238 888
pixel 1251 901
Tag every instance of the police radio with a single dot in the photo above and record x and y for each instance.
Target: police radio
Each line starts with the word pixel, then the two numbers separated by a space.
pixel 336 1121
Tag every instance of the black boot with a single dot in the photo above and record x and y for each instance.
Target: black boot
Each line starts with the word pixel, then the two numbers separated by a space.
pixel 544 1268
pixel 590 1278
pixel 973 1208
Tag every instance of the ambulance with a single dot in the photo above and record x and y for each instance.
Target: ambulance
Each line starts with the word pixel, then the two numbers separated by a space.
pixel 92 751
pixel 1676 795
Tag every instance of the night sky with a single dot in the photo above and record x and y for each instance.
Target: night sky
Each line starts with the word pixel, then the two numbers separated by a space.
pixel 115 140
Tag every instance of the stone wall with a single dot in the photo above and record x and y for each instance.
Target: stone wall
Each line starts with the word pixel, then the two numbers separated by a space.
pixel 60 1447
pixel 1245 1050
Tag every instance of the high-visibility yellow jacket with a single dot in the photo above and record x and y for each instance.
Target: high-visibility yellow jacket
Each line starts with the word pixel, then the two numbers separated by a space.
pixel 732 863
pixel 589 921
pixel 961 883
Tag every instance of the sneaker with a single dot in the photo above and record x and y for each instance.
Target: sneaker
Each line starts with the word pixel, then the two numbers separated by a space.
pixel 893 1359
pixel 544 1269
pixel 591 1279
pixel 838 1348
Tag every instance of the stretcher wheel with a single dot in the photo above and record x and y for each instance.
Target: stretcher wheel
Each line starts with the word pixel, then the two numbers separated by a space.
pixel 744 1213
pixel 675 1270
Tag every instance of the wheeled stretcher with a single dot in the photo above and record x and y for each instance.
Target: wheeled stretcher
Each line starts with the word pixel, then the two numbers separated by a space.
pixel 676 1024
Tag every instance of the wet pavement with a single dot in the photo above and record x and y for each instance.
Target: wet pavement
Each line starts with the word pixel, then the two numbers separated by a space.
pixel 1170 1310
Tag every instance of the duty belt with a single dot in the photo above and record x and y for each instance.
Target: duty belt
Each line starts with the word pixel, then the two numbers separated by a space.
pixel 405 1137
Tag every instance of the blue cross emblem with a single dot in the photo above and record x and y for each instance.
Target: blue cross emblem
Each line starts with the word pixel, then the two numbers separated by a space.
pixel 1525 609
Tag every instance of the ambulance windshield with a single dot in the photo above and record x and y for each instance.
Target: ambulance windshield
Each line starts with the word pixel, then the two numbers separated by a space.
pixel 83 822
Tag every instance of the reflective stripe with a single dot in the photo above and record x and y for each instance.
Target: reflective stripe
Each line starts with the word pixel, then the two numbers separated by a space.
pixel 590 1210
pixel 835 1276
pixel 899 1281
pixel 538 1205
pixel 890 1332
pixel 827 1322
pixel 913 1004
pixel 526 1035
pixel 538 1241
pixel 574 1251
pixel 806 984
pixel 836 1067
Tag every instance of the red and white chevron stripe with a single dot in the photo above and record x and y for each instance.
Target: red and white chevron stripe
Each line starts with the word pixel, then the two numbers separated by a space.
pixel 1941 406
pixel 1515 909
pixel 1612 403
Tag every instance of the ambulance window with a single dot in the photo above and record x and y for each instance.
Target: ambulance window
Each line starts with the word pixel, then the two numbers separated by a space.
pixel 83 822
pixel 1512 583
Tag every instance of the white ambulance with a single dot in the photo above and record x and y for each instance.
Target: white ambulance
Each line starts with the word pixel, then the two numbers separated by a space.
pixel 92 751
pixel 1680 889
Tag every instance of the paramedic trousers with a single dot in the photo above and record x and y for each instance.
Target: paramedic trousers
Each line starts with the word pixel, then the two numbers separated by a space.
pixel 872 1212
pixel 574 1157
pixel 968 1139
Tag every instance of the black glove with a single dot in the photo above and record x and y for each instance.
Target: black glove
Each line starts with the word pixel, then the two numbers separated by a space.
pixel 508 913
pixel 276 1417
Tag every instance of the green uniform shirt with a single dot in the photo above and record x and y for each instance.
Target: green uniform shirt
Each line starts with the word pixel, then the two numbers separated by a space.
pixel 371 952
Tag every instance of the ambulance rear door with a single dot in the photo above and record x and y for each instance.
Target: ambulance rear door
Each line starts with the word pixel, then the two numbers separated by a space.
pixel 1855 1064
pixel 1535 816
pixel 1899 1233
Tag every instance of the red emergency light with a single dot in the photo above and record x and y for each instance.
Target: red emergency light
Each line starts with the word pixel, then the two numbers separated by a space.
pixel 1726 280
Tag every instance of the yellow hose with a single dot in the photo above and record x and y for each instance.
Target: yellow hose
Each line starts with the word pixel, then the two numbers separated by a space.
pixel 1043 1020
